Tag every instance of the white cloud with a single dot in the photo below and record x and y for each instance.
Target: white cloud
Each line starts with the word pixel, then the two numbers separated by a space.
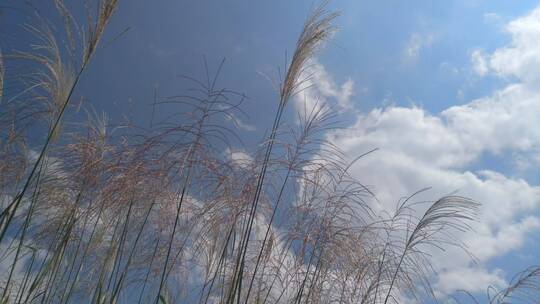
pixel 479 63
pixel 469 279
pixel 521 58
pixel 417 42
pixel 486 244
pixel 320 88
pixel 419 149
pixel 239 158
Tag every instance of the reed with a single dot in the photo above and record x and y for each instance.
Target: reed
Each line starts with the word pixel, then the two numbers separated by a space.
pixel 160 215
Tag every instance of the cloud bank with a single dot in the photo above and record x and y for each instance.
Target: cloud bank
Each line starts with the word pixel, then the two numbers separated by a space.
pixel 419 149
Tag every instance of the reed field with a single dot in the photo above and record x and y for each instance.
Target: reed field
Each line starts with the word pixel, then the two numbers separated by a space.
pixel 102 211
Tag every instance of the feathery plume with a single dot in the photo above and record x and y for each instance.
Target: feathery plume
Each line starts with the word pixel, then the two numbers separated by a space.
pixel 105 12
pixel 317 28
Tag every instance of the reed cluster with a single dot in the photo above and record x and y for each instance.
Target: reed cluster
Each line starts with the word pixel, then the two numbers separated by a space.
pixel 162 215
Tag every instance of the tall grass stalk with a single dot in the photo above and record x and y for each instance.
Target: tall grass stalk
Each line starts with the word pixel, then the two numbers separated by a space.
pixel 56 68
pixel 316 29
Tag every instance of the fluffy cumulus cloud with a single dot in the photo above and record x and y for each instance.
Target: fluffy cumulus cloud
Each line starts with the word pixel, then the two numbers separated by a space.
pixel 520 59
pixel 419 149
pixel 319 87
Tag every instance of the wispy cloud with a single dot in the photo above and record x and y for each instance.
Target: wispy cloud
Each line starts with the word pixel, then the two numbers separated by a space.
pixel 416 44
pixel 241 124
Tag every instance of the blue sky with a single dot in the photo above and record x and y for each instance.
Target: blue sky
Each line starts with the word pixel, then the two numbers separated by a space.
pixel 446 89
